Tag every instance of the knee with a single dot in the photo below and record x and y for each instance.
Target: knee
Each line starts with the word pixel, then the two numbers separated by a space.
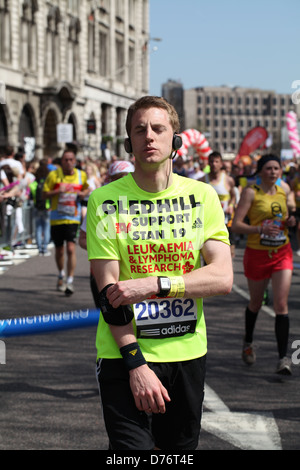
pixel 280 307
pixel 71 248
pixel 59 251
pixel 255 306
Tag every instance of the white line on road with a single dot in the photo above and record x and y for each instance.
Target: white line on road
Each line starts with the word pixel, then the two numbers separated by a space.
pixel 246 431
pixel 244 294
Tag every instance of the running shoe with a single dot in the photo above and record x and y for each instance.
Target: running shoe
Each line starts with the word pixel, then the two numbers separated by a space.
pixel 248 354
pixel 284 366
pixel 69 289
pixel 60 286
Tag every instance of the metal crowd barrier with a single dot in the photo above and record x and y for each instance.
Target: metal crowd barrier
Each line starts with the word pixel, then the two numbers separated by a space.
pixel 7 223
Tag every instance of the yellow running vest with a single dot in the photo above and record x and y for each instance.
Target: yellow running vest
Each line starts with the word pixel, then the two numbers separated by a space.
pixel 266 209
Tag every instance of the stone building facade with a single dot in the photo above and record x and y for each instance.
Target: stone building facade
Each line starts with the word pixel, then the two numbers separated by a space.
pixel 79 62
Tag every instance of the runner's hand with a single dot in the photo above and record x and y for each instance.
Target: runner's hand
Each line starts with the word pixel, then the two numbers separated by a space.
pixel 131 291
pixel 149 393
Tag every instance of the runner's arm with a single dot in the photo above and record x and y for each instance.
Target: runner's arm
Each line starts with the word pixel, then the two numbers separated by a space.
pixel 148 392
pixel 238 223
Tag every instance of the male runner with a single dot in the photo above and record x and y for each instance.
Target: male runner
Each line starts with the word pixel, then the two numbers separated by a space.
pixel 145 236
pixel 65 186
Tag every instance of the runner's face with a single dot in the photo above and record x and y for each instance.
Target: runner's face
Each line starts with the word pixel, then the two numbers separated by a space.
pixel 215 164
pixel 68 162
pixel 270 172
pixel 151 136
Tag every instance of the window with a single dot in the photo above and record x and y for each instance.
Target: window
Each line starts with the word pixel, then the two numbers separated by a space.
pixel 103 56
pixel 132 12
pixel 5 32
pixel 28 36
pixel 73 50
pixel 52 56
pixel 73 7
pixel 119 59
pixel 91 41
pixel 131 66
pixel 119 9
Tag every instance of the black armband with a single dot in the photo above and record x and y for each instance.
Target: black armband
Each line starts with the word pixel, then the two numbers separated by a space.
pixel 119 316
pixel 132 356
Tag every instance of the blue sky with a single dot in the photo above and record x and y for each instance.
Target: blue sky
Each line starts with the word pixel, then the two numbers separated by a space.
pixel 252 44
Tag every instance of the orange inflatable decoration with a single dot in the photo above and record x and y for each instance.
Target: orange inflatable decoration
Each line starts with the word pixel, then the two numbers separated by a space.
pixel 246 160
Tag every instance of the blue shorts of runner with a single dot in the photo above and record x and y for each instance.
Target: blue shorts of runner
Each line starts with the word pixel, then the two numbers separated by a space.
pixel 63 232
pixel 130 429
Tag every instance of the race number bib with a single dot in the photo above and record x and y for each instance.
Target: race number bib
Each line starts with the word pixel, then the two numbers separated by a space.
pixel 266 240
pixel 67 204
pixel 165 318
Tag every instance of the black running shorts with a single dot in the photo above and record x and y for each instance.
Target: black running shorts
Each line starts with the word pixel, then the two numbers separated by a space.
pixel 63 232
pixel 130 429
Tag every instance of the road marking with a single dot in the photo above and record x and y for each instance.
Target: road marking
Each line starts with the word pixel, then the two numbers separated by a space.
pixel 245 294
pixel 246 431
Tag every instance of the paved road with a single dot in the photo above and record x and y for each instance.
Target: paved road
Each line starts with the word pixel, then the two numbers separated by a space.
pixel 48 392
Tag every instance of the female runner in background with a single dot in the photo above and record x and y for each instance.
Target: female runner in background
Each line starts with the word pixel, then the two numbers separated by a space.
pixel 268 254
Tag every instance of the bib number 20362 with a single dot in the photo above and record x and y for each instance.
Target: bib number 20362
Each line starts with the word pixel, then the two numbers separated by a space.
pixel 165 318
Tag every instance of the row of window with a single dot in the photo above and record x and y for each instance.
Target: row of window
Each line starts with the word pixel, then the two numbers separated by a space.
pixel 246 100
pixel 242 123
pixel 240 112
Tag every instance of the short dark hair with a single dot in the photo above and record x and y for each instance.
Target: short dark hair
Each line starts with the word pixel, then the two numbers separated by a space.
pixel 147 102
pixel 215 154
pixel 9 150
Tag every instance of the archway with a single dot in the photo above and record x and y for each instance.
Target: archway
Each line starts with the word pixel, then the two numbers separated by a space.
pixel 3 130
pixel 72 120
pixel 51 147
pixel 26 134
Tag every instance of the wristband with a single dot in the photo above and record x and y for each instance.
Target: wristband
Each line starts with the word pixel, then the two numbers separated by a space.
pixel 177 287
pixel 132 356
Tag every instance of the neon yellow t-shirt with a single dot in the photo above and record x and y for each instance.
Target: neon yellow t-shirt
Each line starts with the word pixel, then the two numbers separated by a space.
pixel 153 234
